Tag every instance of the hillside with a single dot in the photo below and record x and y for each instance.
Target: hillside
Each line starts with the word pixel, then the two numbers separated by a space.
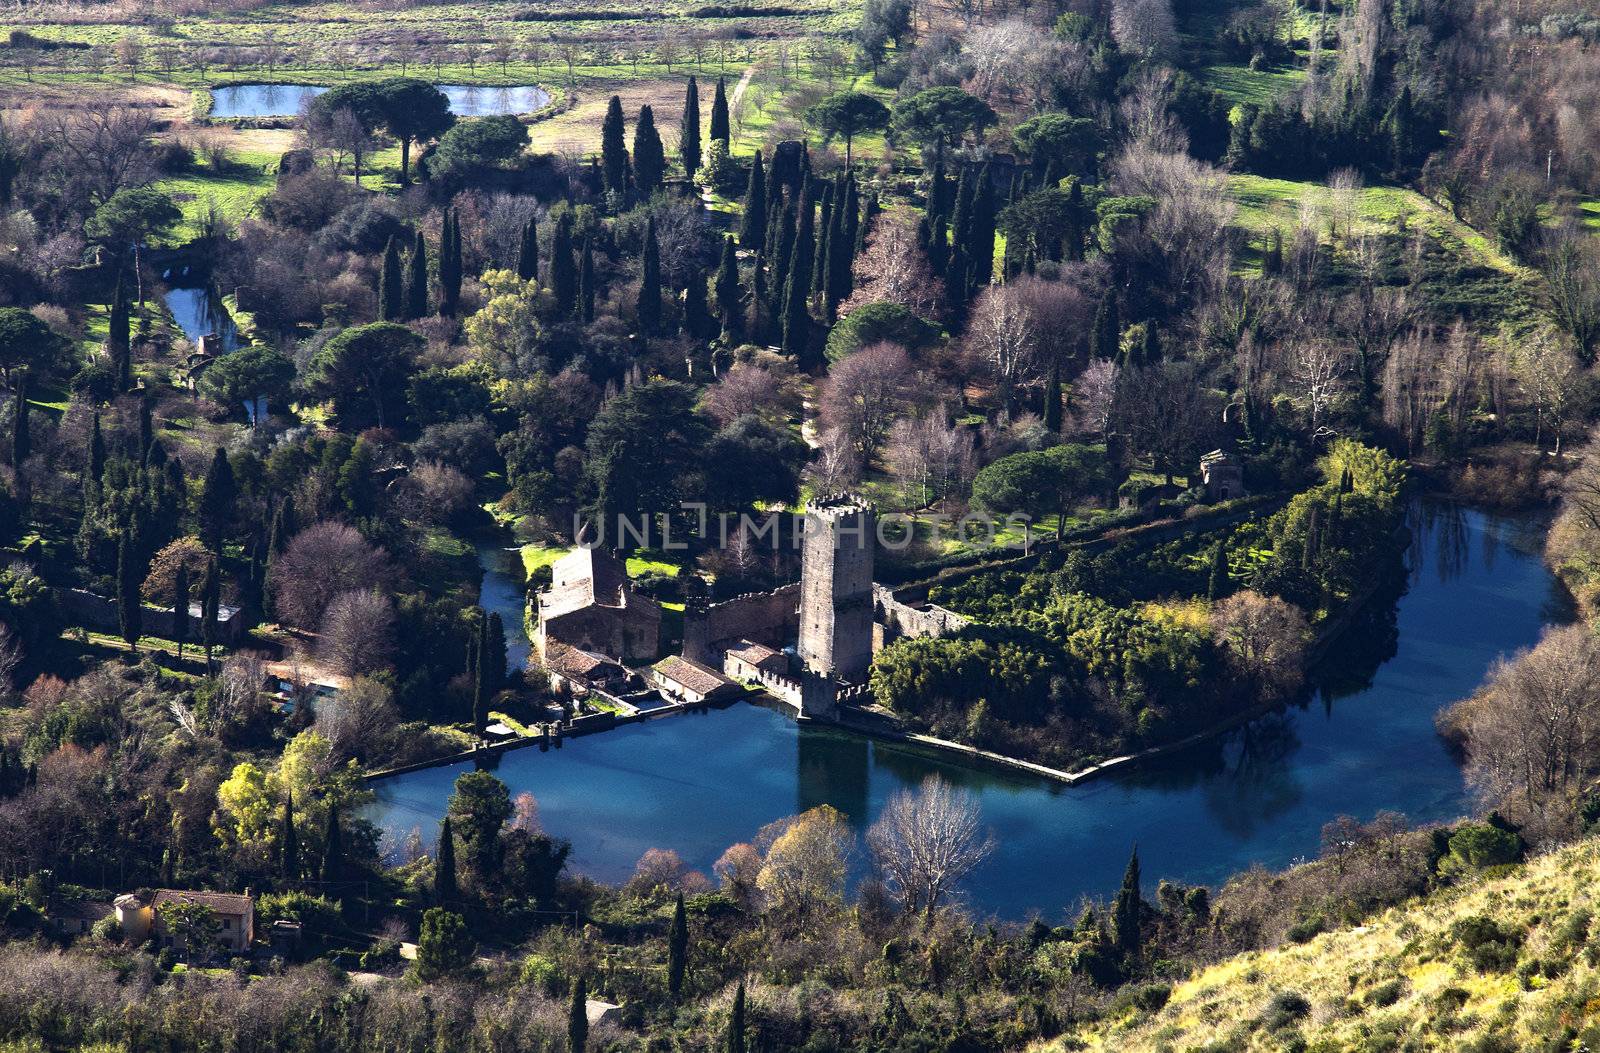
pixel 1496 964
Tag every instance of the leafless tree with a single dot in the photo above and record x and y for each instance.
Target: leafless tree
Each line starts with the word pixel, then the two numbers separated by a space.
pixel 322 561
pixel 357 632
pixel 10 658
pixel 1144 27
pixel 997 54
pixel 1265 639
pixel 837 465
pixel 893 268
pixel 1316 372
pixel 1532 734
pixel 358 720
pixel 1547 371
pixel 1003 337
pixel 97 151
pixel 931 457
pixel 1168 414
pixel 1147 114
pixel 765 388
pixel 435 492
pixel 239 686
pixel 1094 396
pixel 927 842
pixel 865 392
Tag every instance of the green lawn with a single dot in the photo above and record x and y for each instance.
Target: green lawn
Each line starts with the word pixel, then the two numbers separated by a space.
pixel 536 556
pixel 233 192
pixel 1243 84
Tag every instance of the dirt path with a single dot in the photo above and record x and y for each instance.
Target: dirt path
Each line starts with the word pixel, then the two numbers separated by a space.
pixel 738 91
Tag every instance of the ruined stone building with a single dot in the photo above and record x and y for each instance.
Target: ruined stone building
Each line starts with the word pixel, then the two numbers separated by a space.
pixel 592 606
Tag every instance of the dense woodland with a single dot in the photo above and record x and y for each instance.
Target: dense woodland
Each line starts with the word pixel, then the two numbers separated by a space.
pixel 1027 260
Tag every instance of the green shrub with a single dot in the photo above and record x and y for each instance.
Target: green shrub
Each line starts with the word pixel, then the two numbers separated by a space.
pixel 1386 993
pixel 1490 946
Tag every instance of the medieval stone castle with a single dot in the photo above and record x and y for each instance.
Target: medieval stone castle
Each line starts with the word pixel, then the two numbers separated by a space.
pixel 809 644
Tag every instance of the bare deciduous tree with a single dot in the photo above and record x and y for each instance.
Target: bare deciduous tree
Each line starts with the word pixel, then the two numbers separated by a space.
pixel 1003 337
pixel 932 458
pixel 893 268
pixel 1265 639
pixel 357 632
pixel 764 388
pixel 865 392
pixel 322 561
pixel 927 842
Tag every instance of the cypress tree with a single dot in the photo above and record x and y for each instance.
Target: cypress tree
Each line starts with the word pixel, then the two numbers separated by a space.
pixel 961 219
pixel 21 439
pixel 689 130
pixel 650 281
pixel 217 496
pixel 450 264
pixel 586 284
pixel 444 868
pixel 613 149
pixel 938 247
pixel 1105 341
pixel 720 130
pixel 759 303
pixel 147 430
pixel 180 608
pixel 776 208
pixel 578 1011
pixel 288 843
pixel 1126 911
pixel 735 1042
pixel 819 256
pixel 417 280
pixel 677 948
pixel 649 156
pixel 956 276
pixel 1052 398
pixel 796 316
pixel 852 231
pixel 493 659
pixel 1219 586
pixel 1150 352
pixel 868 214
pixel 528 252
pixel 119 340
pixel 563 270
pixel 332 845
pixel 1079 217
pixel 696 314
pixel 97 452
pixel 210 603
pixel 981 239
pixel 836 265
pixel 786 238
pixel 753 224
pixel 391 290
pixel 727 286
pixel 936 192
pixel 130 612
pixel 483 690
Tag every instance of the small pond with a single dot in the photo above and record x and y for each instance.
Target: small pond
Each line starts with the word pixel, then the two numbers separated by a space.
pixel 199 312
pixel 286 100
pixel 1362 743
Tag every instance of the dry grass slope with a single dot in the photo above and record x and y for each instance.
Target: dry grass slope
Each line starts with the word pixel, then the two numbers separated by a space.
pixel 1498 965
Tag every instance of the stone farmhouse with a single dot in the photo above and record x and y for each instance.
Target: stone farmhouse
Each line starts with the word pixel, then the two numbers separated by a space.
pixel 140 916
pixel 592 606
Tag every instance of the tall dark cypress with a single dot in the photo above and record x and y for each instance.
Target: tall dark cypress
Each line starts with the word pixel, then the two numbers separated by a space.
pixel 210 603
pixel 937 193
pixel 735 1043
pixel 147 430
pixel 961 218
pixel 130 611
pixel 729 309
pixel 1218 585
pixel 649 156
pixel 819 261
pixel 1105 340
pixel 97 452
pixel 760 303
pixel 118 338
pixel 288 843
pixel 1127 910
pixel 483 689
pixel 696 314
pixel 450 264
pixel 650 282
pixel 720 130
pixel 840 243
pixel 851 226
pixel 868 213
pixel 614 149
pixel 981 239
pixel 180 608
pixel 493 659
pixel 1052 398
pixel 677 948
pixel 332 845
pixel 796 316
pixel 689 130
pixel 578 1014
pixel 785 242
pixel 753 224
pixel 391 286
pixel 528 252
pixel 938 246
pixel 217 496
pixel 586 284
pixel 957 274
pixel 21 439
pixel 563 269
pixel 444 867
pixel 417 280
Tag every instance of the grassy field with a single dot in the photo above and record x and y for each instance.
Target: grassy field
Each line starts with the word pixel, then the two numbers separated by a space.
pixel 1406 980
pixel 1265 204
pixel 232 193
pixel 1243 84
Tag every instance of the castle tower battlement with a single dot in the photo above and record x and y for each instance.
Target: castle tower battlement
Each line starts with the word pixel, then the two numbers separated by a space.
pixel 836 595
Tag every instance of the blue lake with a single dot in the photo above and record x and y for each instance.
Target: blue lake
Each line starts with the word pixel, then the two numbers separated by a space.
pixel 286 100
pixel 1363 742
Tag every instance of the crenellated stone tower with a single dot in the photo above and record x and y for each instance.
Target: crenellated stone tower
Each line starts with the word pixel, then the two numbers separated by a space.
pixel 836 598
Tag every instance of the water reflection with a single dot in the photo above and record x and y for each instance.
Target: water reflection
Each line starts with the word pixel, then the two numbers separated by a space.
pixel 199 312
pixel 286 100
